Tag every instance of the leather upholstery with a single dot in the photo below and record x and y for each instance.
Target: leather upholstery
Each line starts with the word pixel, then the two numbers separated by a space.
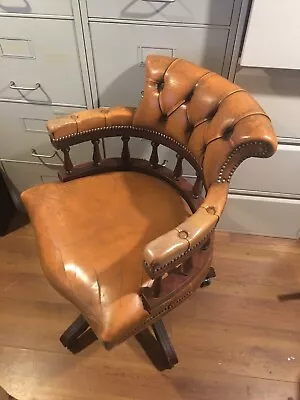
pixel 87 120
pixel 210 115
pixel 167 251
pixel 219 123
pixel 91 233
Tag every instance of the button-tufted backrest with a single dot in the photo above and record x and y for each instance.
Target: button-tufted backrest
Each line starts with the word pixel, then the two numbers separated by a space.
pixel 220 123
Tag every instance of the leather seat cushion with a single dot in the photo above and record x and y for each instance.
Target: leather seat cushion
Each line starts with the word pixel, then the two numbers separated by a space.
pixel 91 233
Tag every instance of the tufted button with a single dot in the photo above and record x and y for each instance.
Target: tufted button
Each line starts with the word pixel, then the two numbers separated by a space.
pixel 183 235
pixel 228 132
pixel 212 113
pixel 190 128
pixel 163 117
pixel 160 85
pixel 189 96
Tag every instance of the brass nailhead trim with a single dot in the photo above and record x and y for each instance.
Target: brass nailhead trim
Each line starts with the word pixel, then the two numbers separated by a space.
pixel 261 153
pixel 151 318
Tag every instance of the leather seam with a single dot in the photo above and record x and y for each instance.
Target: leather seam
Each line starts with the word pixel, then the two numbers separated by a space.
pixel 180 103
pixel 262 153
pixel 240 90
pixel 178 229
pixel 162 79
pixel 74 118
pixel 239 120
pixel 170 65
pixel 200 122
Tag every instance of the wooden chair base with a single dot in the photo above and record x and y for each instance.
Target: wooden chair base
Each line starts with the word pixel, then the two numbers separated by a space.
pixel 164 341
pixel 79 335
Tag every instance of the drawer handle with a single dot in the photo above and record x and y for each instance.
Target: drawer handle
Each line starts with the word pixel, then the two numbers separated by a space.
pixel 12 85
pixel 35 154
pixel 160 1
pixel 164 163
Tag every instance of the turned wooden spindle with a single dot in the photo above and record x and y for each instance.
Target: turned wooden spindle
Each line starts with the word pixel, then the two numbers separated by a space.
pixel 125 151
pixel 197 187
pixel 178 167
pixel 154 155
pixel 68 165
pixel 96 153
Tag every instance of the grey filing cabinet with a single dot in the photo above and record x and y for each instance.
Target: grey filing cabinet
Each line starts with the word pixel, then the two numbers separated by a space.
pixel 265 194
pixel 42 76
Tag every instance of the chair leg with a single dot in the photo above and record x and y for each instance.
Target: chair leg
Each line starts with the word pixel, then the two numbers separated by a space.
pixel 70 337
pixel 207 281
pixel 163 339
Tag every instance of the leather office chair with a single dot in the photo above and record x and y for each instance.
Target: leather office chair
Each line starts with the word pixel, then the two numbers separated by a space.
pixel 126 240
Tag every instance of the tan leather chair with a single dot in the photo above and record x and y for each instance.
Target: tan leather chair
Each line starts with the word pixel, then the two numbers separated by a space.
pixel 127 240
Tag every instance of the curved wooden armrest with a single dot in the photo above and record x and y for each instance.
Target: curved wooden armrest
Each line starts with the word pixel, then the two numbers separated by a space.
pixel 88 120
pixel 171 249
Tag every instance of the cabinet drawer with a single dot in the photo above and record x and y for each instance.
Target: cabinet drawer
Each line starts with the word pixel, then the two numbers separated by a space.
pixel 278 93
pixel 54 7
pixel 40 55
pixel 23 128
pixel 25 175
pixel 216 12
pixel 261 216
pixel 277 174
pixel 120 68
pixel 271 27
